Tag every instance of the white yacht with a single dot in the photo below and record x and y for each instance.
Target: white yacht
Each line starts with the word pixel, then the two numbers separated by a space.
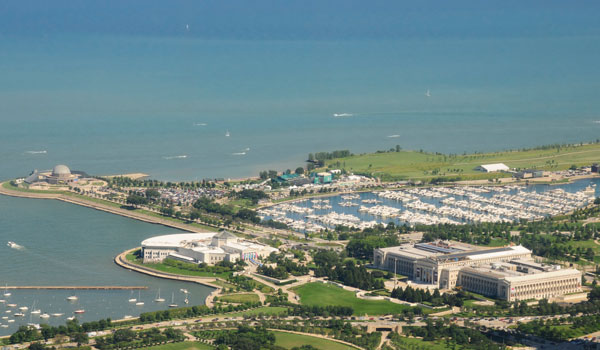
pixel 44 316
pixel 158 298
pixel 173 301
pixel 140 302
pixel 72 298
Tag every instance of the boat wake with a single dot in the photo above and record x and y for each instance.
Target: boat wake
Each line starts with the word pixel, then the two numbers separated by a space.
pixel 596 122
pixel 341 115
pixel 14 245
pixel 238 154
pixel 393 136
pixel 200 124
pixel 183 156
pixel 36 152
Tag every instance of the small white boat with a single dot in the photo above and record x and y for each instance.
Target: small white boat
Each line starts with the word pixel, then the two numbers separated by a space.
pixel 8 311
pixel 79 311
pixel 5 317
pixel 140 302
pixel 44 316
pixel 35 311
pixel 6 292
pixel 186 301
pixel 4 326
pixel 10 321
pixel 23 308
pixel 227 134
pixel 72 298
pixel 2 301
pixel 19 314
pixel 127 316
pixel 70 318
pixel 11 305
pixel 158 298
pixel 185 291
pixel 57 314
pixel 173 301
pixel 12 244
pixel 132 300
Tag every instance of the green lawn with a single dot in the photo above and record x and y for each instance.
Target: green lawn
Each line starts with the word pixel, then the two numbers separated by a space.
pixel 323 294
pixel 225 284
pixel 266 310
pixel 417 165
pixel 290 340
pixel 240 298
pixel 416 343
pixel 182 346
pixel 131 257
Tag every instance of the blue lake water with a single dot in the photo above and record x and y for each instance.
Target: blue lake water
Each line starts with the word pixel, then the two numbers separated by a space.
pixel 65 244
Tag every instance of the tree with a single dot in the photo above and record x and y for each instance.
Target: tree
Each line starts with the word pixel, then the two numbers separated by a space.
pixel 136 200
pixel 152 193
pixel 81 338
pixel 299 170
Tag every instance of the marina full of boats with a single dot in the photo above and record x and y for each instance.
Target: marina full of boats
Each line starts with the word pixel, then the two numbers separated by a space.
pixel 433 205
pixel 15 312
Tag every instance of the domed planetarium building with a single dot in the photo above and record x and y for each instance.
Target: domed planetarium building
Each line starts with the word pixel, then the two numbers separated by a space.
pixel 61 174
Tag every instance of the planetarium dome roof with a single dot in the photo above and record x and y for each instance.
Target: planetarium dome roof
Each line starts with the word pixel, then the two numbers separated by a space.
pixel 61 170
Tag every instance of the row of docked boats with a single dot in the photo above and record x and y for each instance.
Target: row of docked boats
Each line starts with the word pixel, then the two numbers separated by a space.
pixel 430 206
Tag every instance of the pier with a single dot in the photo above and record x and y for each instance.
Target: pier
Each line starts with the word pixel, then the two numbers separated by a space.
pixel 79 287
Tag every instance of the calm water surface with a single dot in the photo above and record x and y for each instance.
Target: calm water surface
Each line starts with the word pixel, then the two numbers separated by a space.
pixel 65 244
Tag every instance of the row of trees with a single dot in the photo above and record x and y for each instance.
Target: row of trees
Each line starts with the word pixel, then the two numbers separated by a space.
pixel 208 205
pixel 71 329
pixel 330 265
pixel 416 295
pixel 125 337
pixel 465 337
pixel 120 181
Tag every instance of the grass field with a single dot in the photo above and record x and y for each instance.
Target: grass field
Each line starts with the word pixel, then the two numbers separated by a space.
pixel 421 165
pixel 290 340
pixel 240 298
pixel 182 346
pixel 266 310
pixel 323 294
pixel 131 257
pixel 415 343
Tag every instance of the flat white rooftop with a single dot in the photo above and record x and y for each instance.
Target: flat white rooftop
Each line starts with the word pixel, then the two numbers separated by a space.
pixel 176 240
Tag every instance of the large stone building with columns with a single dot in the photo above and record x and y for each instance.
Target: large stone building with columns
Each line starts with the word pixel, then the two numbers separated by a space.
pixel 506 272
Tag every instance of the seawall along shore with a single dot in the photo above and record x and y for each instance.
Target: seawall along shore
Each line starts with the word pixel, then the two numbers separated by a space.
pixel 122 261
